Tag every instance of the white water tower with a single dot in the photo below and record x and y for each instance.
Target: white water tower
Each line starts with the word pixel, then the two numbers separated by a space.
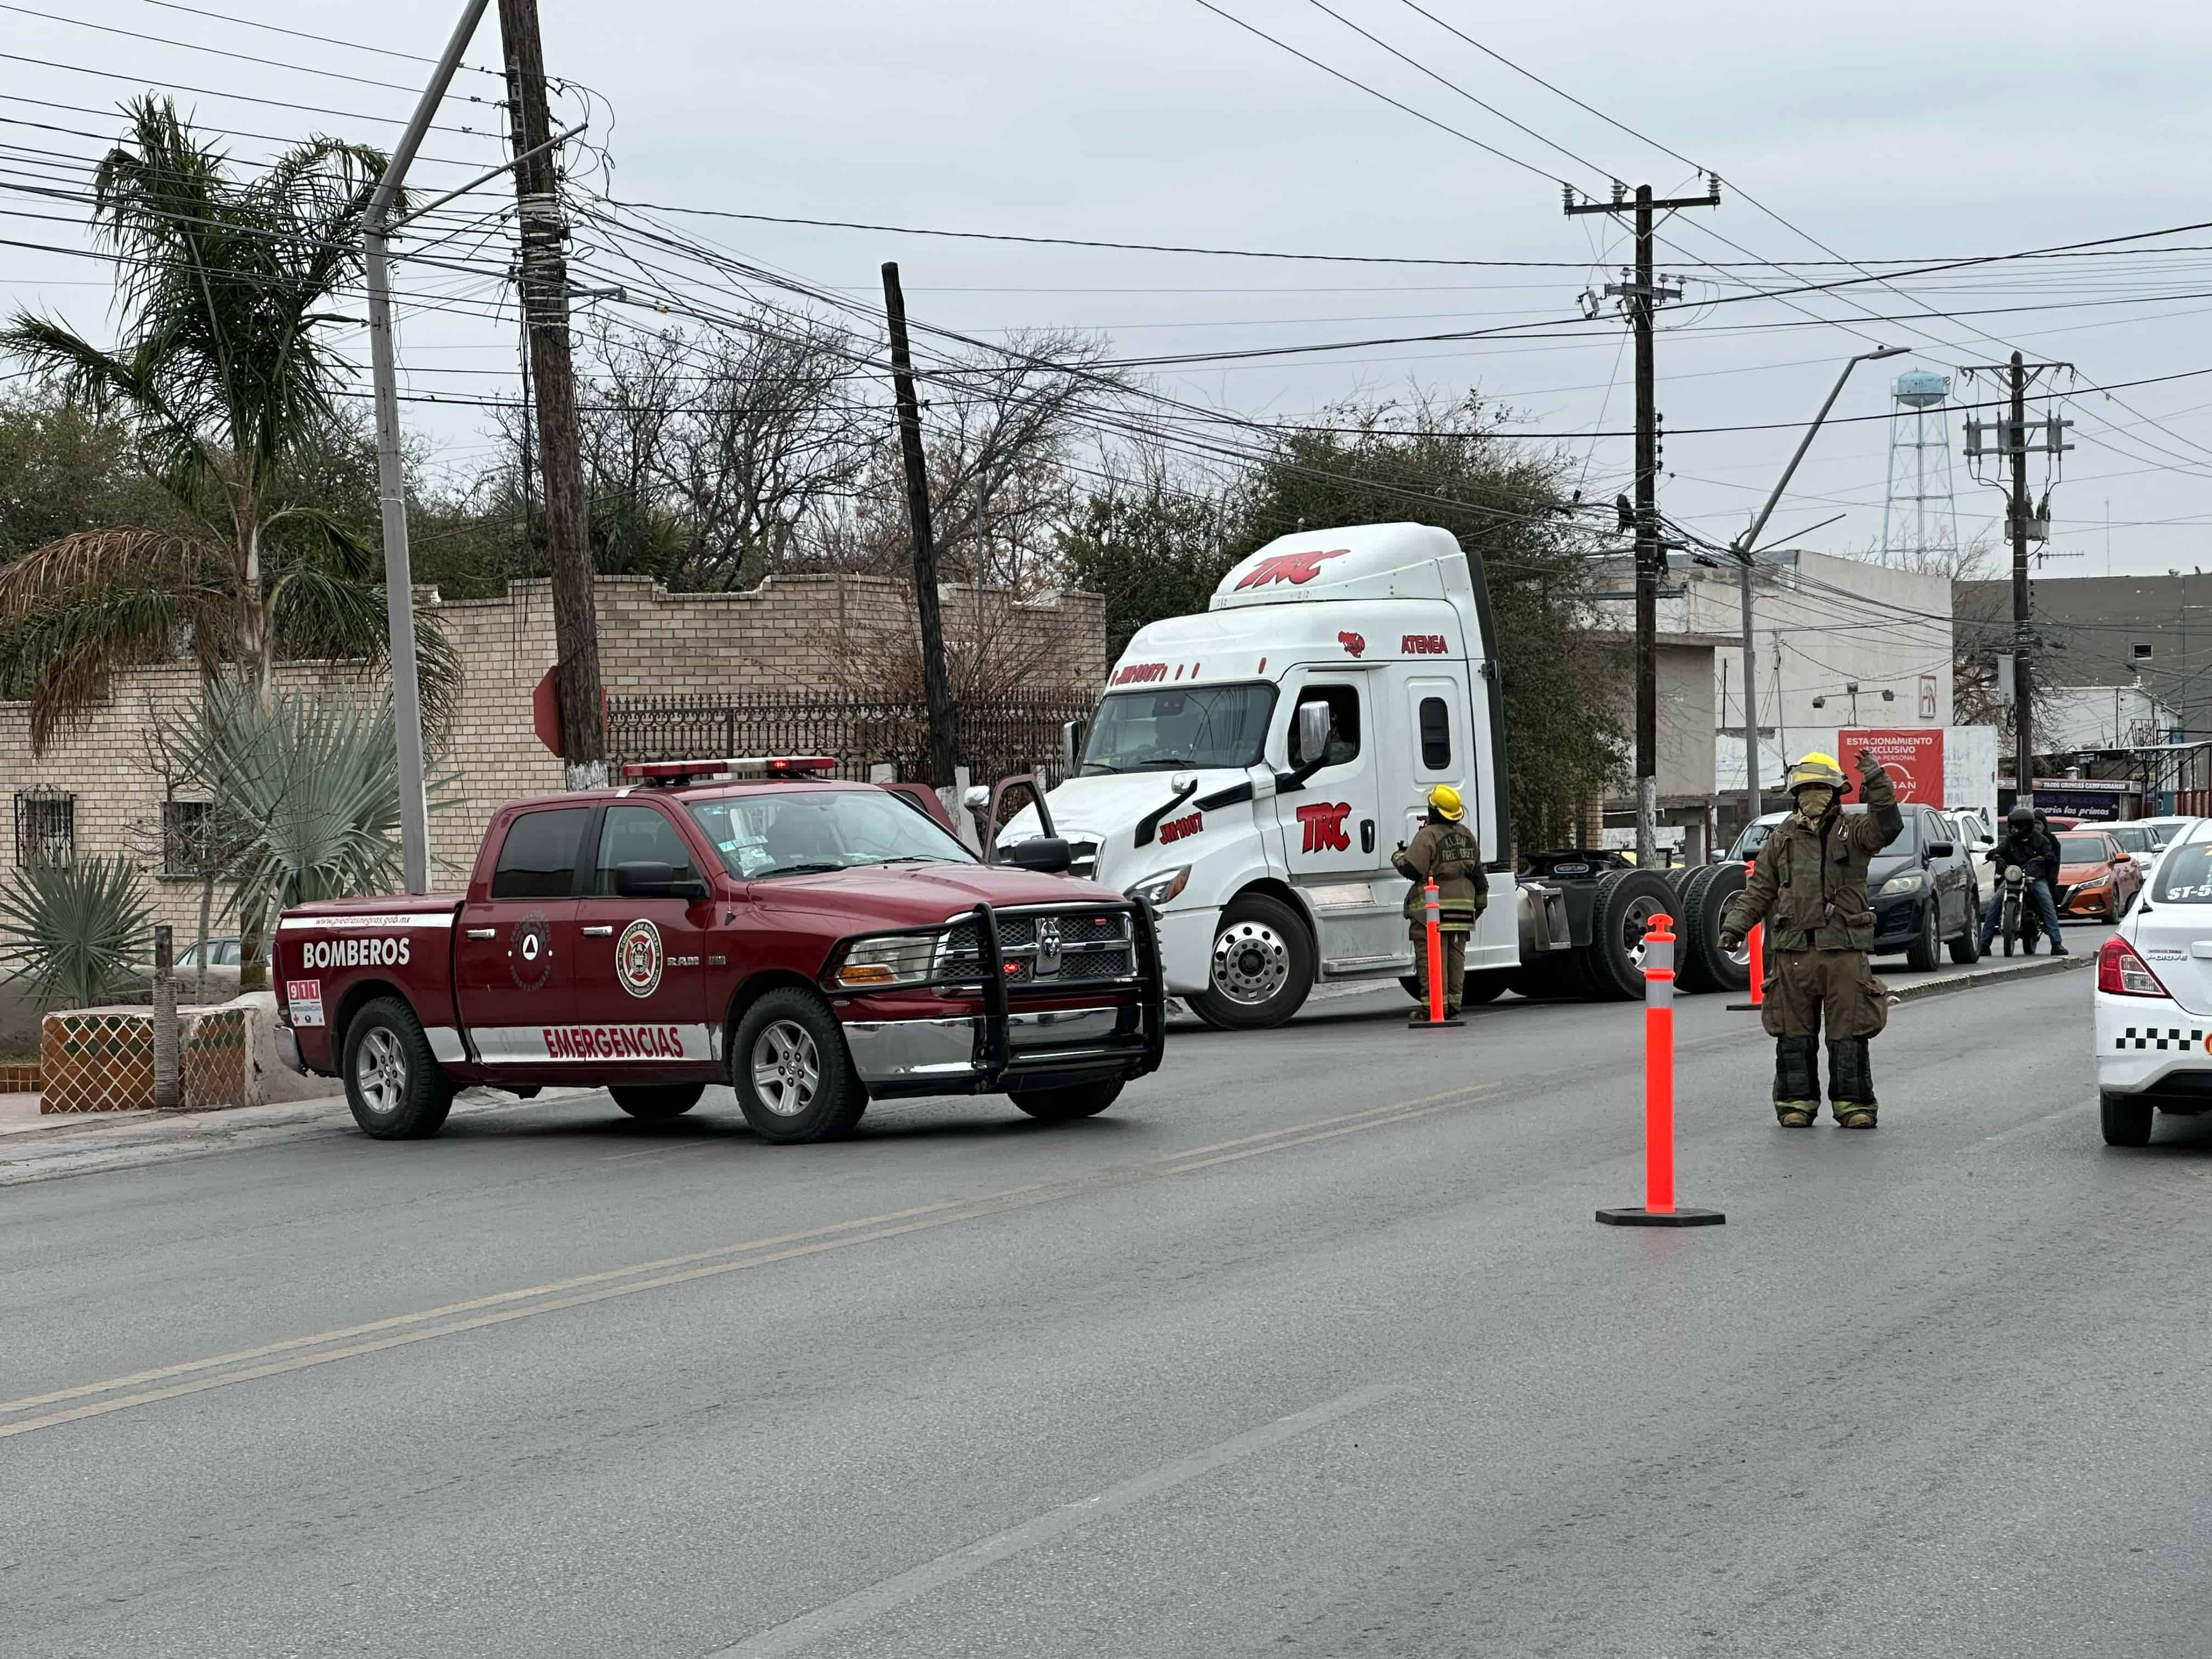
pixel 1920 509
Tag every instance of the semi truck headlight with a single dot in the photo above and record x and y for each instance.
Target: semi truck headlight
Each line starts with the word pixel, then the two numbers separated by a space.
pixel 1911 882
pixel 1158 890
pixel 881 965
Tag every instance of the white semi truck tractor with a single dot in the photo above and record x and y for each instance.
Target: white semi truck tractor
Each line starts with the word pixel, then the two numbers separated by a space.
pixel 1249 770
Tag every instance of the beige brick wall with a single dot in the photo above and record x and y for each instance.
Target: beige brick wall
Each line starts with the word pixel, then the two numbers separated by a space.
pixel 782 635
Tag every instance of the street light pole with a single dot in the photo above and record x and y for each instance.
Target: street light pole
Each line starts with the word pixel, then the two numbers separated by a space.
pixel 390 475
pixel 1743 549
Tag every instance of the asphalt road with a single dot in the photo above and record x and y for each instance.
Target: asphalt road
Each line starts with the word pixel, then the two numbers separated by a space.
pixel 1310 1346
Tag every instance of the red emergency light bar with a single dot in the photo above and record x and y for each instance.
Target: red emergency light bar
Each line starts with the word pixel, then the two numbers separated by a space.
pixel 671 772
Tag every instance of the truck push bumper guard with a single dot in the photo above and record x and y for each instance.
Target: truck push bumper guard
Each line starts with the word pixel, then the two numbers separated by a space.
pixel 1009 1047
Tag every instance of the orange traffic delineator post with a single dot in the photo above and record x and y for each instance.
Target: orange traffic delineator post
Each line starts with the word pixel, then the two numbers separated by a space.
pixel 1755 943
pixel 1435 1021
pixel 1658 1208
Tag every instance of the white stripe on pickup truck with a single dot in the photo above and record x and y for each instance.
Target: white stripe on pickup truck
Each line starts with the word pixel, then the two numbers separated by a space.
pixel 354 923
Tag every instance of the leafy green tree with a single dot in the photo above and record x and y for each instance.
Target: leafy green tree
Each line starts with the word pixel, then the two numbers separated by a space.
pixel 63 467
pixel 1154 546
pixel 1447 466
pixel 227 393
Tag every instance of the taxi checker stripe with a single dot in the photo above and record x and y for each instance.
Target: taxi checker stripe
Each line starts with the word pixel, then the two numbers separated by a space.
pixel 2151 1037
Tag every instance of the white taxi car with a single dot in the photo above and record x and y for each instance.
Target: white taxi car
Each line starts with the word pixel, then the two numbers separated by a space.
pixel 2154 997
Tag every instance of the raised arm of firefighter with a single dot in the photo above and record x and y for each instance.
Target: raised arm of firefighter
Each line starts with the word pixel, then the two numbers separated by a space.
pixel 1881 822
pixel 1749 908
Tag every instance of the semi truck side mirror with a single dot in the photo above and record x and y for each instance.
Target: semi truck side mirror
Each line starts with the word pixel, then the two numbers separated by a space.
pixel 1313 731
pixel 643 878
pixel 1071 747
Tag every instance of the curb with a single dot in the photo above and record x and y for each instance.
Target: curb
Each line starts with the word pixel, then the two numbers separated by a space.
pixel 2030 970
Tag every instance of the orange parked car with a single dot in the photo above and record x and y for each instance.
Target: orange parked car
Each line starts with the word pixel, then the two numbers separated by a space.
pixel 2097 877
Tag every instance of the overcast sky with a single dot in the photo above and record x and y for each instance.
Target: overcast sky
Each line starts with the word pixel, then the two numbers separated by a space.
pixel 1886 131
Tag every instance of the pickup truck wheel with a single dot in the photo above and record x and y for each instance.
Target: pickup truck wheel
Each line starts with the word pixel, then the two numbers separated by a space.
pixel 1262 966
pixel 656 1102
pixel 393 1081
pixel 1065 1105
pixel 792 1072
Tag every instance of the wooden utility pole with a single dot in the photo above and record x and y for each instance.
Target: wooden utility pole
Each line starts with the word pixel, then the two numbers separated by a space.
pixel 1644 296
pixel 545 317
pixel 2023 775
pixel 936 692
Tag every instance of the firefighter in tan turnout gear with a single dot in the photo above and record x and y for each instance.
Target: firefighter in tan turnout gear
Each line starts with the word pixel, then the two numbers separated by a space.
pixel 1446 853
pixel 1809 886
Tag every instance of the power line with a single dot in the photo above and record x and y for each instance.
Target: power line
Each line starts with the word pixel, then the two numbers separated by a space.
pixel 325 39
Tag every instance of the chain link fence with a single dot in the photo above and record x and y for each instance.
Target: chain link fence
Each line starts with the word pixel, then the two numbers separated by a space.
pixel 993 739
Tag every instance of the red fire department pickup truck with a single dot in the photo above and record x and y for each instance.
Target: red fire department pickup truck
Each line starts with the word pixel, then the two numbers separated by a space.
pixel 809 942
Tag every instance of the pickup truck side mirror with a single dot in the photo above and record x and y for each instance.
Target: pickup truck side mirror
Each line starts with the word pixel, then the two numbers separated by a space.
pixel 1942 849
pixel 1048 855
pixel 643 878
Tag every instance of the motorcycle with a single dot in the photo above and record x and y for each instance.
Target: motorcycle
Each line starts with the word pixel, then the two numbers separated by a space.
pixel 2016 914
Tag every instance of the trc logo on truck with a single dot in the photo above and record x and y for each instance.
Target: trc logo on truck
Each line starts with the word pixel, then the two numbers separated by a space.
pixel 1354 643
pixel 1324 827
pixel 637 958
pixel 1296 569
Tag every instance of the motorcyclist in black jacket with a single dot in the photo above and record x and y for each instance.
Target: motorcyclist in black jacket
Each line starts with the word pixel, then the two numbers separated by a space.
pixel 2026 841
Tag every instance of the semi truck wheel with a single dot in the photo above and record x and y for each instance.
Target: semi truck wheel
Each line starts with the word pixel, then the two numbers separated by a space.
pixel 1692 972
pixel 393 1081
pixel 656 1102
pixel 1262 967
pixel 1700 931
pixel 1066 1105
pixel 1625 901
pixel 792 1072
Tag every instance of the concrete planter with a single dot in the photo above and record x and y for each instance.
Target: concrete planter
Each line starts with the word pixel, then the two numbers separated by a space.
pixel 101 1059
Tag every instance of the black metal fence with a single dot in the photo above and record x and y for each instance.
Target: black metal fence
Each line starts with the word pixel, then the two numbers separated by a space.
pixel 994 739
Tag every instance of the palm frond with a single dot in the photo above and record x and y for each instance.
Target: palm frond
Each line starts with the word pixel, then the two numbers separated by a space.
pixel 76 931
pixel 94 563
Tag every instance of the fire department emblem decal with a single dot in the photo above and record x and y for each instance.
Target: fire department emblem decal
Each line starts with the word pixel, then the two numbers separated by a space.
pixel 529 952
pixel 638 958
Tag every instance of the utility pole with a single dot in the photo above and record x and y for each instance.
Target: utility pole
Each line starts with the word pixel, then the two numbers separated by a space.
pixel 2024 525
pixel 376 226
pixel 545 315
pixel 1643 297
pixel 936 693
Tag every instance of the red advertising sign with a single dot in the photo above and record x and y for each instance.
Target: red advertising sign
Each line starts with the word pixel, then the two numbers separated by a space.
pixel 1913 759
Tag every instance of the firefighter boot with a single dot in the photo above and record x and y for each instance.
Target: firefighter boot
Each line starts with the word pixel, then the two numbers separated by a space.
pixel 1851 1084
pixel 1796 1081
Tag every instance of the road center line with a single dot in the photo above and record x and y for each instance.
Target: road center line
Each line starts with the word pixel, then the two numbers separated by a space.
pixel 403 1330
pixel 861 1606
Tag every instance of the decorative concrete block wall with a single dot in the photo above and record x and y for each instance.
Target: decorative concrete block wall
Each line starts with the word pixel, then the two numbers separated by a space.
pixel 101 1059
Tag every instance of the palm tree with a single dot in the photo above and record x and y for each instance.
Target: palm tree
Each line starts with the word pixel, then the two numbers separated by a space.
pixel 227 389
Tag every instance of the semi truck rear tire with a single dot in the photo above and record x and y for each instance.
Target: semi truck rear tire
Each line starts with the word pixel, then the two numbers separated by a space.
pixel 1705 909
pixel 393 1082
pixel 1066 1105
pixel 656 1102
pixel 792 1072
pixel 1261 968
pixel 1692 970
pixel 1624 902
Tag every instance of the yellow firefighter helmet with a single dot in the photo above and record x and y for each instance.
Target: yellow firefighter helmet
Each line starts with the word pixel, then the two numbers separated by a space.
pixel 1443 801
pixel 1817 768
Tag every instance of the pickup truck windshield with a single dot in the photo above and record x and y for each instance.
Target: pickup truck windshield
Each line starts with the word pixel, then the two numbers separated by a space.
pixel 807 831
pixel 1144 730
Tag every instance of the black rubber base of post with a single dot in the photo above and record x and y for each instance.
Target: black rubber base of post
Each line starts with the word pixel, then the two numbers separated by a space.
pixel 1434 1025
pixel 1638 1216
pixel 1745 1007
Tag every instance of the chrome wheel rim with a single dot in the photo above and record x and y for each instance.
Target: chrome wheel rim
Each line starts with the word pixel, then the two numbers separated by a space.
pixel 1251 962
pixel 787 1067
pixel 1640 912
pixel 379 1071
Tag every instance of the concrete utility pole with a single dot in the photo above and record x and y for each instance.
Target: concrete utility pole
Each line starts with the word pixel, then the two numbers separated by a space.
pixel 936 694
pixel 1643 297
pixel 546 314
pixel 1746 548
pixel 390 475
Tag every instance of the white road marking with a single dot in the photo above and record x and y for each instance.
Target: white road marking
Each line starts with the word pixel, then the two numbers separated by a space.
pixel 968 1560
pixel 2075 1110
